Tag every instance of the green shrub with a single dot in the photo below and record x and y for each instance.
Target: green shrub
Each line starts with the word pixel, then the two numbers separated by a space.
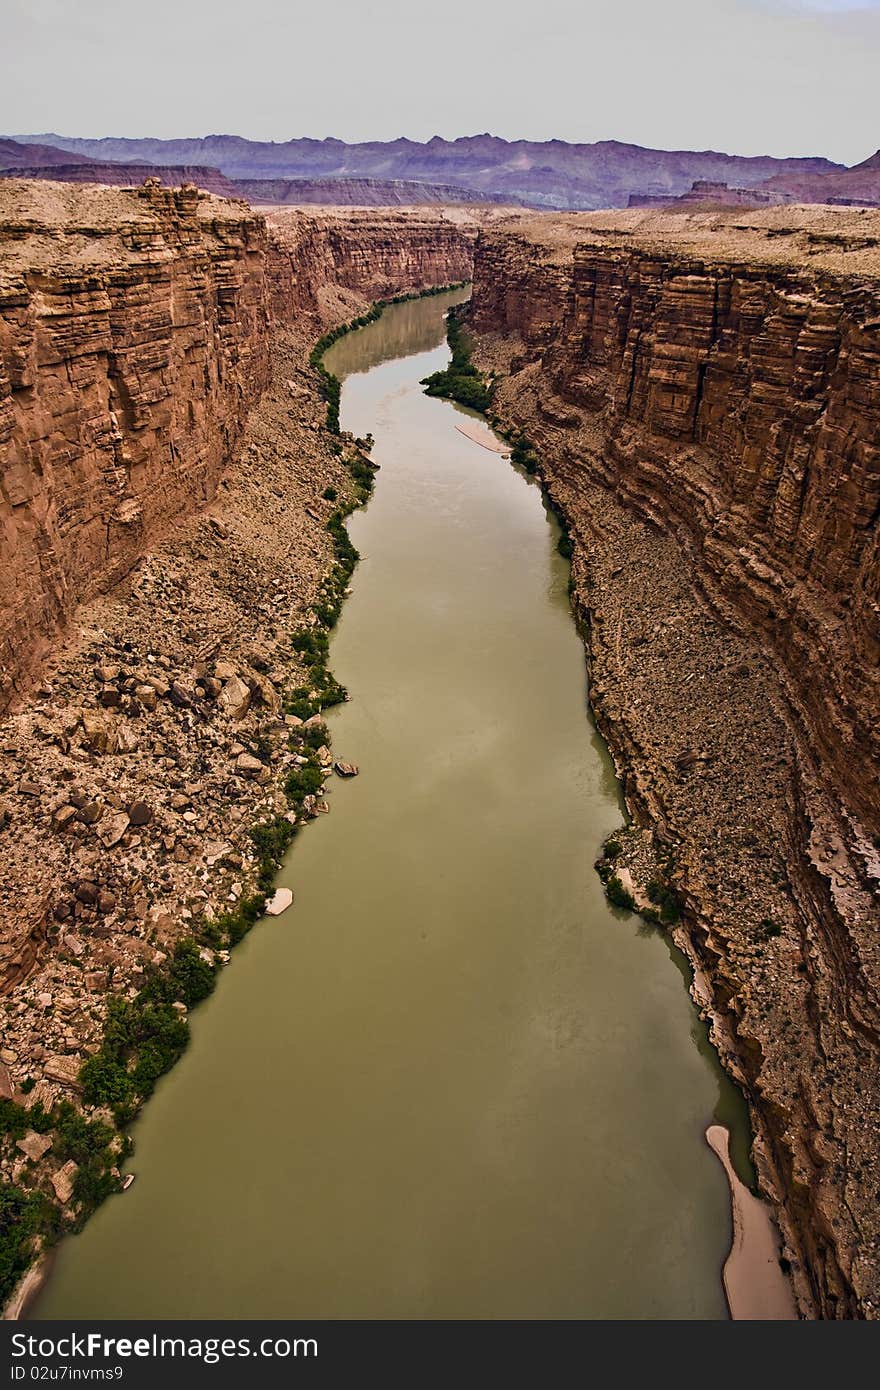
pixel 460 381
pixel 619 896
pixel 666 900
pixel 302 782
pixel 523 454
pixel 25 1217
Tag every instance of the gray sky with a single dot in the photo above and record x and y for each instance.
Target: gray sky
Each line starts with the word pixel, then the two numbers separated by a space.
pixel 780 77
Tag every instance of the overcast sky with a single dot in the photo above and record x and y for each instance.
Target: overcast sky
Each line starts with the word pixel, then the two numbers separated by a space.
pixel 781 77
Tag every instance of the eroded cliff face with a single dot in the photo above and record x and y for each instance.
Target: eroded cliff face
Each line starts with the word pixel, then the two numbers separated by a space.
pixel 133 339
pixel 742 401
pixel 705 396
pixel 314 257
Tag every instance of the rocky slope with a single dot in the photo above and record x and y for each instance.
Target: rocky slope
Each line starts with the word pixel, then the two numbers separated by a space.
pixel 132 775
pixel 861 183
pixel 15 155
pixel 551 173
pixel 127 175
pixel 704 393
pixel 354 192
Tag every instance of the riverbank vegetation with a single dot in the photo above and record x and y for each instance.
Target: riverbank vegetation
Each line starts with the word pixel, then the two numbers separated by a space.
pixel 330 385
pixel 460 381
pixel 663 907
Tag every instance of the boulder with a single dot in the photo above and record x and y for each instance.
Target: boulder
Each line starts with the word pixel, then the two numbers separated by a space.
pixel 65 1070
pixel 248 766
pixel 35 1145
pixel 99 731
pixel 126 739
pixel 279 902
pixel 62 1181
pixel 235 698
pixel 112 829
pixel 345 769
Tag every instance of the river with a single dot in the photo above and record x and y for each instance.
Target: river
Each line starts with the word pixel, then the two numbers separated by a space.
pixel 451 1081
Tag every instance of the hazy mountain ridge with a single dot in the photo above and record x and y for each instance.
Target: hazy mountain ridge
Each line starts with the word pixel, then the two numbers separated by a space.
pixel 552 173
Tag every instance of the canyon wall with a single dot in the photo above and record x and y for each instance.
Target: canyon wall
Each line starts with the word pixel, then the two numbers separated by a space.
pixel 134 338
pixel 702 392
pixel 741 403
pixel 315 255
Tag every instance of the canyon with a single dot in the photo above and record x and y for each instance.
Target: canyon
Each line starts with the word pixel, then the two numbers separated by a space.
pixel 134 340
pixel 166 470
pixel 702 392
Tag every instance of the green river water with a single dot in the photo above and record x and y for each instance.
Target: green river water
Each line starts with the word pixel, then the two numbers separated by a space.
pixel 450 1081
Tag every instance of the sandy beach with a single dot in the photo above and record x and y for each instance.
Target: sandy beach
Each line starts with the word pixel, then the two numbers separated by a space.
pixel 754 1284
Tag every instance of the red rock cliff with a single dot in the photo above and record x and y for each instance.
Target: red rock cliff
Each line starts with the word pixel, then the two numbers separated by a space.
pixel 377 254
pixel 740 395
pixel 703 393
pixel 133 338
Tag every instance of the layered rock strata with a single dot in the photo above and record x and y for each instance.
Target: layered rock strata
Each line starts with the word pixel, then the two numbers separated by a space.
pixel 126 175
pixel 316 256
pixel 704 393
pixel 134 338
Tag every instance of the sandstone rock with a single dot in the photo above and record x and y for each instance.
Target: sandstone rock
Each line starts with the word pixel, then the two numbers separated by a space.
pixel 64 1070
pixel 34 1145
pixel 62 818
pixel 147 696
pixel 235 698
pixel 126 739
pixel 63 1181
pixel 6 1086
pixel 99 731
pixel 248 766
pixel 346 769
pixel 279 902
pixel 112 829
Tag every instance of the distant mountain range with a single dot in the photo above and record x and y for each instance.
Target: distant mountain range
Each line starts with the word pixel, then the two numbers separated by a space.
pixel 551 174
